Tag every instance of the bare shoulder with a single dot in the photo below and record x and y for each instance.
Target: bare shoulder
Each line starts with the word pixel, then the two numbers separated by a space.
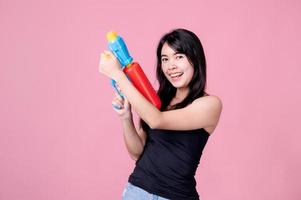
pixel 210 102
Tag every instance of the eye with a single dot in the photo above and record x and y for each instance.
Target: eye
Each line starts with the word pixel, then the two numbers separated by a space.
pixel 178 57
pixel 164 59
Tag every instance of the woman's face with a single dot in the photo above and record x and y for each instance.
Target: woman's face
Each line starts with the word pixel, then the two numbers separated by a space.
pixel 176 67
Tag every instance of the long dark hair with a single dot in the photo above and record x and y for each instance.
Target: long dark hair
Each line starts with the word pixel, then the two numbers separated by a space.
pixel 185 42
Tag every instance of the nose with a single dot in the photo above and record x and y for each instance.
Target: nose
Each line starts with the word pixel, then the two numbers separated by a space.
pixel 172 68
pixel 172 65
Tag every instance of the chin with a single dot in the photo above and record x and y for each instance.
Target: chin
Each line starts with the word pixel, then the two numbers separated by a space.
pixel 178 85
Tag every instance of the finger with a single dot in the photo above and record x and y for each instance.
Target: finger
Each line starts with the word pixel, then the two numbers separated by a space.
pixel 102 58
pixel 118 102
pixel 106 55
pixel 118 96
pixel 102 55
pixel 126 103
pixel 126 99
pixel 117 106
pixel 108 52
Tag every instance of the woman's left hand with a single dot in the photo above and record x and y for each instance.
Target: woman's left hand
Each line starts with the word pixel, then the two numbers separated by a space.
pixel 109 65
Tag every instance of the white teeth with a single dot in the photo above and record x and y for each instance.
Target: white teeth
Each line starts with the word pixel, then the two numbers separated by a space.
pixel 175 75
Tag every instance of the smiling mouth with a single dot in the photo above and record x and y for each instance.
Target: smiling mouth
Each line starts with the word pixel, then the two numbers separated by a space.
pixel 176 75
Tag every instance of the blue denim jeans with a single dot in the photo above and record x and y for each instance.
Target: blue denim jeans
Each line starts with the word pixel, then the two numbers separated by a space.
pixel 132 192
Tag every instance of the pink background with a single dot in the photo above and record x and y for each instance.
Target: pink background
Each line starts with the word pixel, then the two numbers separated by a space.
pixel 60 138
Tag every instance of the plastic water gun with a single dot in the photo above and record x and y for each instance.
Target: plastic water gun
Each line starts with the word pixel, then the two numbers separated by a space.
pixel 132 69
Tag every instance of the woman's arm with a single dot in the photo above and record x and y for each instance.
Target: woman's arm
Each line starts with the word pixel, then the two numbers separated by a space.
pixel 134 141
pixel 203 112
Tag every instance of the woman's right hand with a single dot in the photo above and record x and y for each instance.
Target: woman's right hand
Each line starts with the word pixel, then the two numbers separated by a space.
pixel 122 106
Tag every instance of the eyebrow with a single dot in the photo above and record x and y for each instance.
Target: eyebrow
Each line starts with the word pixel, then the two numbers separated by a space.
pixel 173 54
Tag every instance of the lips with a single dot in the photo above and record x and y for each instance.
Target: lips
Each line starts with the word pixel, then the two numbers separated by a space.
pixel 175 75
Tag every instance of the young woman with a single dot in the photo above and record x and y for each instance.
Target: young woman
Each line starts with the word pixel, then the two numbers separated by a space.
pixel 169 142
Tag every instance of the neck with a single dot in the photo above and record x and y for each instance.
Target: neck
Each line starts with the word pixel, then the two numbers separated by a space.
pixel 181 93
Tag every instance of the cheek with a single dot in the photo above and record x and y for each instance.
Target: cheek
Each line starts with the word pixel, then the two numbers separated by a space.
pixel 189 73
pixel 164 70
pixel 164 67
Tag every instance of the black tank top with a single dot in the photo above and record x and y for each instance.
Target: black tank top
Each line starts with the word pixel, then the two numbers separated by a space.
pixel 168 163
